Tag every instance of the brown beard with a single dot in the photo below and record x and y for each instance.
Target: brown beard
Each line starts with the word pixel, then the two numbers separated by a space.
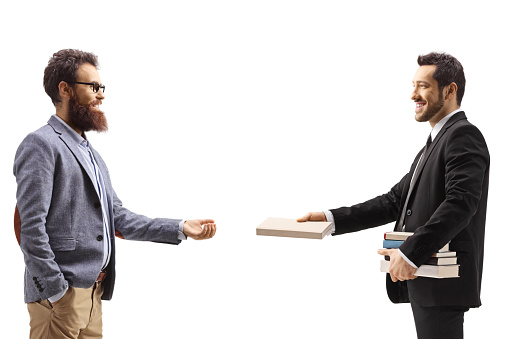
pixel 432 110
pixel 85 117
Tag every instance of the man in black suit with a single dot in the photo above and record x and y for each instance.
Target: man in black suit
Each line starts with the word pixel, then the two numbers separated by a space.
pixel 442 198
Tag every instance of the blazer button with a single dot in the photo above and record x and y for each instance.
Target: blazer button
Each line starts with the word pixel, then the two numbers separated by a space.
pixel 99 238
pixel 97 205
pixel 409 212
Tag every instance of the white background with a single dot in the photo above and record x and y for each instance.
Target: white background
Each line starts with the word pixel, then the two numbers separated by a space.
pixel 241 110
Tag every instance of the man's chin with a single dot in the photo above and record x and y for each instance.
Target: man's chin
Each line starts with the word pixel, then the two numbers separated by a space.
pixel 424 116
pixel 419 117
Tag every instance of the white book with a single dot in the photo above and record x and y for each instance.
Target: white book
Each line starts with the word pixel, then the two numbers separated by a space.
pixel 397 235
pixel 428 271
pixel 279 227
pixel 444 254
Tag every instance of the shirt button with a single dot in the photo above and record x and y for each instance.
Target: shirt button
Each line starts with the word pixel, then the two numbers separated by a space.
pixel 409 212
pixel 99 238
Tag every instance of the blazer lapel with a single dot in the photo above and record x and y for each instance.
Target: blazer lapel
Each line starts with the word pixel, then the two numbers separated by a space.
pixel 65 136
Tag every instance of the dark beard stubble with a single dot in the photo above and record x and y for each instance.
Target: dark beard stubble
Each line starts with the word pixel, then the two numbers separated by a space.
pixel 432 110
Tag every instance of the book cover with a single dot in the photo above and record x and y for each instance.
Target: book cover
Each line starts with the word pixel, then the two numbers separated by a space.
pixel 280 227
pixel 392 243
pixel 397 244
pixel 397 235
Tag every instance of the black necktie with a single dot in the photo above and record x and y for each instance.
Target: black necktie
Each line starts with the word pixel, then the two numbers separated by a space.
pixel 404 212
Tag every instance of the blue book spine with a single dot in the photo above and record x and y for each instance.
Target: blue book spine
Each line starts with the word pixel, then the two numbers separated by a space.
pixel 392 243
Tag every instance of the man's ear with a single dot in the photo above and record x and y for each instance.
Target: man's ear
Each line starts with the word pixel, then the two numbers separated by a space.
pixel 450 91
pixel 64 90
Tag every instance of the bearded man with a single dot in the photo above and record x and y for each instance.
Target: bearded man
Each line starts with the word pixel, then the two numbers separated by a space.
pixel 68 212
pixel 441 199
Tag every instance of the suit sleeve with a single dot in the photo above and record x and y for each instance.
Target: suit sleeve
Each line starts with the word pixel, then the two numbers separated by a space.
pixel 466 163
pixel 34 169
pixel 375 212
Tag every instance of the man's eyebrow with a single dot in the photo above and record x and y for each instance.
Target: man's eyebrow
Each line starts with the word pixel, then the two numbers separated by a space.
pixel 422 82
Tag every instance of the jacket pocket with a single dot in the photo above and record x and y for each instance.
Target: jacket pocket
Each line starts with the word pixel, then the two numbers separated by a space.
pixel 63 244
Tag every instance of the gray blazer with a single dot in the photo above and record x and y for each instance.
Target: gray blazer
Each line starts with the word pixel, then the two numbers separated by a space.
pixel 61 218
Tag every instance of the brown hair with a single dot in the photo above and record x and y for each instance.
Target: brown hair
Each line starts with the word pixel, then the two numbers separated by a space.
pixel 449 70
pixel 63 66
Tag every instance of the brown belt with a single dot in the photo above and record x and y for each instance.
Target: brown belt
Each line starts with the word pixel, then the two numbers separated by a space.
pixel 101 277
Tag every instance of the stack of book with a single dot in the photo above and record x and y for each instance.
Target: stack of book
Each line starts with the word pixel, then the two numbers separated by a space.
pixel 443 264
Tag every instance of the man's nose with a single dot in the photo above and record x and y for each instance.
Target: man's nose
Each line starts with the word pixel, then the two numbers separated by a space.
pixel 100 94
pixel 413 95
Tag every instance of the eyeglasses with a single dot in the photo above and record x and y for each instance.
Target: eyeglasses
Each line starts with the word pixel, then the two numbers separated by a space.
pixel 95 85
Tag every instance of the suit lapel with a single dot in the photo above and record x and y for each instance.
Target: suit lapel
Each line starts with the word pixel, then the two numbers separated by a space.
pixel 408 181
pixel 457 117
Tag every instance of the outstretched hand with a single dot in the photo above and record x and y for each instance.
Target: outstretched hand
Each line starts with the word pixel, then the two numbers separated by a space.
pixel 399 269
pixel 313 216
pixel 200 229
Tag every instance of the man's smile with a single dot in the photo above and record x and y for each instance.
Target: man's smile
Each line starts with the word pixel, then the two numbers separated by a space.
pixel 95 104
pixel 419 106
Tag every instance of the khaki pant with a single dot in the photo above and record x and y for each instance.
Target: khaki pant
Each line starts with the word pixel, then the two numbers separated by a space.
pixel 78 315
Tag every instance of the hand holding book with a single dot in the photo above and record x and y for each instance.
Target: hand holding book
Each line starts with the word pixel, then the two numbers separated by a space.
pixel 313 216
pixel 399 269
pixel 442 264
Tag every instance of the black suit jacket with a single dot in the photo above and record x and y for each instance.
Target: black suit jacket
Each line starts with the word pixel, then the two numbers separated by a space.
pixel 448 203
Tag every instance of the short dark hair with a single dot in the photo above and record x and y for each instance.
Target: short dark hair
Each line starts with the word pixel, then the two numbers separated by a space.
pixel 449 70
pixel 63 66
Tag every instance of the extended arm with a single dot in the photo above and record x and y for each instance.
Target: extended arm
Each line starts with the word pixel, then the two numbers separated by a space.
pixel 134 226
pixel 374 212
